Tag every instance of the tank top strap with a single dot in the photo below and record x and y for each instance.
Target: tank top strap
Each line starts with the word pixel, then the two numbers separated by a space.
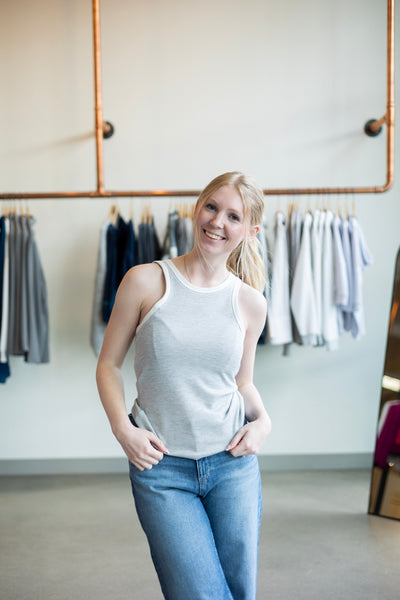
pixel 163 265
pixel 237 284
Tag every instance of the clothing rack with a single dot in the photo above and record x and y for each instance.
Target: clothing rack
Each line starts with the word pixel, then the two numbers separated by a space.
pixel 104 129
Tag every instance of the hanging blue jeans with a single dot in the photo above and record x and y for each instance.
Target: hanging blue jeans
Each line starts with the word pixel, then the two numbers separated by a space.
pixel 202 520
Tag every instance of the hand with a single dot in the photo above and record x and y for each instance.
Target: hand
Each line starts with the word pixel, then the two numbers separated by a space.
pixel 143 448
pixel 249 438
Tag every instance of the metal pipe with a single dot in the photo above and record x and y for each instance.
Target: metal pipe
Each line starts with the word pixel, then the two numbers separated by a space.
pixel 378 123
pixel 98 110
pixel 388 118
pixel 390 98
pixel 373 127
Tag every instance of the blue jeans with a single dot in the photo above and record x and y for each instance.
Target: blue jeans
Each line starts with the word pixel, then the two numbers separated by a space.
pixel 202 520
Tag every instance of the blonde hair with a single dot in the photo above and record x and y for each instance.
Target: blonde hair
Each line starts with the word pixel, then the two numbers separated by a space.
pixel 246 260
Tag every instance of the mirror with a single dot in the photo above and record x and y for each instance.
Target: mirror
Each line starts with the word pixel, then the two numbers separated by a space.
pixel 385 480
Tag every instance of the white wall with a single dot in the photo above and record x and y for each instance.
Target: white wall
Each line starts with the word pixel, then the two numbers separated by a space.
pixel 280 90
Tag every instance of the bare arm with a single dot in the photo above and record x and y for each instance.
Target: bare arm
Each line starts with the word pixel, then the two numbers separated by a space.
pixel 250 437
pixel 140 288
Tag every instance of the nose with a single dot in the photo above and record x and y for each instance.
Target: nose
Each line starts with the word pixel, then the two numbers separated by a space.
pixel 218 220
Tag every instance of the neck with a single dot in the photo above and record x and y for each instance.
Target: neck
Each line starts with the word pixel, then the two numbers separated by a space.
pixel 202 271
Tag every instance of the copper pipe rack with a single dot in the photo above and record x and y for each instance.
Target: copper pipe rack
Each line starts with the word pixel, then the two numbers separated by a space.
pixel 104 129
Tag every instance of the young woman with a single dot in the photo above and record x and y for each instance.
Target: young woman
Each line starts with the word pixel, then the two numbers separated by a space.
pixel 198 420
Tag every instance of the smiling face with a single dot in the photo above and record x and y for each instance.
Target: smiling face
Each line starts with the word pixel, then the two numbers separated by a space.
pixel 226 220
pixel 221 222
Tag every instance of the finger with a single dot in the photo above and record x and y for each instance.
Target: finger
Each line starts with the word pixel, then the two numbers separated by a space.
pixel 238 451
pixel 158 444
pixel 237 438
pixel 245 447
pixel 145 463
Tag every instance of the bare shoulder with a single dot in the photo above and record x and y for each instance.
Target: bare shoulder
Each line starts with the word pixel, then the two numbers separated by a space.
pixel 142 287
pixel 253 306
pixel 139 290
pixel 145 278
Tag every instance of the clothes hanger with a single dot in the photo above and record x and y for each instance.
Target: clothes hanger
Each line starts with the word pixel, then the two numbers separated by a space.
pixel 111 212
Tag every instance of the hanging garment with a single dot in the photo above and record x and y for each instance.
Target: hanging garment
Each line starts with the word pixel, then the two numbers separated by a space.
pixel 4 365
pixel 112 278
pixel 317 236
pixel 294 237
pixel 357 257
pixel 279 320
pixel 18 326
pixel 266 257
pixel 361 257
pixel 13 301
pixel 189 234
pixel 120 256
pixel 302 299
pixel 346 309
pixel 24 324
pixel 339 264
pixel 330 329
pixel 294 232
pixel 37 308
pixel 98 326
pixel 340 271
pixel 148 249
pixel 170 249
pixel 2 243
pixel 157 250
pixel 143 244
pixel 262 238
pixel 128 250
pixel 181 235
pixel 173 245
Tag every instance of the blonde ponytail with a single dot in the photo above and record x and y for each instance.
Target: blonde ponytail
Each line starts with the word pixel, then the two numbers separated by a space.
pixel 247 262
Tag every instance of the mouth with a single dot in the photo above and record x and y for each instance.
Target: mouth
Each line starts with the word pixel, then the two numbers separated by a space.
pixel 213 236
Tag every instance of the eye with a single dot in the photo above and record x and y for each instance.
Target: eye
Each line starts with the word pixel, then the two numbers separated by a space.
pixel 235 217
pixel 210 206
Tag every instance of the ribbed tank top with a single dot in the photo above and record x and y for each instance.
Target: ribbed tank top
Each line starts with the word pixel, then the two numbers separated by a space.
pixel 187 352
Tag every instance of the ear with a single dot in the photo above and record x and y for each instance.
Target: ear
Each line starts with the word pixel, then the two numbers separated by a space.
pixel 253 231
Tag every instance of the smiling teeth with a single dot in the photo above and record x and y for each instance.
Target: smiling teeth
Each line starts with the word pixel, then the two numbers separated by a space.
pixel 213 236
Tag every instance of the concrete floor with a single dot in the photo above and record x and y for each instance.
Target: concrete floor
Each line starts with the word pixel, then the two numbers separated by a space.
pixel 78 538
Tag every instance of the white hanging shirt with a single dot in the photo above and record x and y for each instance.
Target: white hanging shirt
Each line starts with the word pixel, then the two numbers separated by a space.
pixel 339 265
pixel 361 257
pixel 279 318
pixel 302 294
pixel 340 271
pixel 317 236
pixel 330 330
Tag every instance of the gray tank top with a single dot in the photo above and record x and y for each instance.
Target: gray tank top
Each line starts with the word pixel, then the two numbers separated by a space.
pixel 188 350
